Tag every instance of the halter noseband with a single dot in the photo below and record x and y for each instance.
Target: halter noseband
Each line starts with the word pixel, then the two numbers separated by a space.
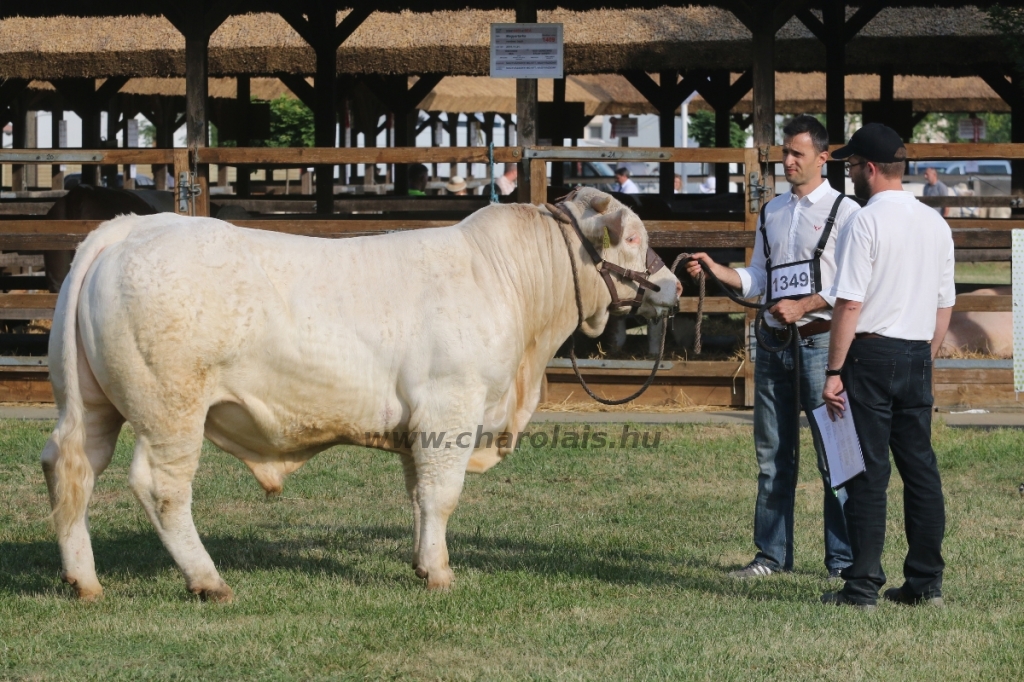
pixel 562 214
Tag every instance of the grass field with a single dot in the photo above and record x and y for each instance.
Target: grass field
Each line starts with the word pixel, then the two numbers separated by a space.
pixel 570 564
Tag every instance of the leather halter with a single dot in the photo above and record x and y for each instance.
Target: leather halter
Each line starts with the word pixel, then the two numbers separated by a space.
pixel 654 263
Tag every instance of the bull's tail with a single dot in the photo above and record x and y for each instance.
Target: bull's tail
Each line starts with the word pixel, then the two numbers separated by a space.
pixel 74 474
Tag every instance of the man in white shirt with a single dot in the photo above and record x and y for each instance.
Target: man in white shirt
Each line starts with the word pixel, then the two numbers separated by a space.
pixel 794 223
pixel 894 297
pixel 623 183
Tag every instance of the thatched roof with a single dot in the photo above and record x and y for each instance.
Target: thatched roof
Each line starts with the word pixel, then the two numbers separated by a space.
pixel 937 40
pixel 218 88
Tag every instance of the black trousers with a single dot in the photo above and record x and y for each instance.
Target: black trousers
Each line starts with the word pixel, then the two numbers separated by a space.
pixel 888 383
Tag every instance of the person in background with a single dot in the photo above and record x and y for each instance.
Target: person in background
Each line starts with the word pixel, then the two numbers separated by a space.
pixel 623 183
pixel 506 183
pixel 677 186
pixel 418 180
pixel 456 185
pixel 933 187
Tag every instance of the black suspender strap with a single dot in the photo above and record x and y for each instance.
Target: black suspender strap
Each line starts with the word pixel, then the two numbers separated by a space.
pixel 764 237
pixel 820 249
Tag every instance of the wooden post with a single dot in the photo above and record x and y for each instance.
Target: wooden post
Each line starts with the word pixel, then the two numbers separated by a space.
pixel 558 131
pixel 325 119
pixel 526 109
pixel 764 136
pixel 834 20
pixel 667 133
pixel 196 91
pixel 109 172
pixel 750 163
pixel 56 119
pixel 243 103
pixel 1017 135
pixel 723 124
pixel 180 166
pixel 19 138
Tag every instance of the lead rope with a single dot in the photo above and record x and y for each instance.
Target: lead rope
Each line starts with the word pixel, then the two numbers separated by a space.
pixel 579 323
pixel 792 340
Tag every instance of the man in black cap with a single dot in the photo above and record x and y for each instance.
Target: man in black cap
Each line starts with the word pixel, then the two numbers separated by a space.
pixel 894 296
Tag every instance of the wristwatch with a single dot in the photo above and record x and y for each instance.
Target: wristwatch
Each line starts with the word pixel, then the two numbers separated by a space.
pixel 833 372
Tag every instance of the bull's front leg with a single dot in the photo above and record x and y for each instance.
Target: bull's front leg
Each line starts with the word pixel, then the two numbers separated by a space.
pixel 440 473
pixel 409 469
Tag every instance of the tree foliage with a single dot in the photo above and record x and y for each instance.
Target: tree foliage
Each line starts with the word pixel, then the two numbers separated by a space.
pixel 702 129
pixel 291 123
pixel 937 127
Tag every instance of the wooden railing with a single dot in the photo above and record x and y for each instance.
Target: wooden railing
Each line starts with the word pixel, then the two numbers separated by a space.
pixel 35 235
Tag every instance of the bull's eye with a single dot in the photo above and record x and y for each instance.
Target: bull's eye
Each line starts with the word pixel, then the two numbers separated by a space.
pixel 632 239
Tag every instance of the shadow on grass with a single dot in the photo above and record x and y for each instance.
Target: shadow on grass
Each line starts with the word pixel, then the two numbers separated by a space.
pixel 353 554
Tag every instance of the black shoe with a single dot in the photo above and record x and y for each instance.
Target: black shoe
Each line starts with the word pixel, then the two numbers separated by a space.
pixel 898 596
pixel 840 599
pixel 835 574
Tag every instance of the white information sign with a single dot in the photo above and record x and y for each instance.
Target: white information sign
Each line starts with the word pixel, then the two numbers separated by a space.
pixel 972 129
pixel 526 51
pixel 791 280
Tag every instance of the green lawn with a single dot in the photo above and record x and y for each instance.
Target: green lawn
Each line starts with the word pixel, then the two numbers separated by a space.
pixel 601 564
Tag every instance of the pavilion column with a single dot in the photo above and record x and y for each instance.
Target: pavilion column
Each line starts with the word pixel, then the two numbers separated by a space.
pixel 19 139
pixel 557 131
pixel 316 22
pixel 56 142
pixel 243 105
pixel 834 31
pixel 666 95
pixel 197 20
pixel 402 100
pixel 834 18
pixel 526 107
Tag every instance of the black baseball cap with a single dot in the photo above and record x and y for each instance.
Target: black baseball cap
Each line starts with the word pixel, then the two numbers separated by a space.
pixel 874 142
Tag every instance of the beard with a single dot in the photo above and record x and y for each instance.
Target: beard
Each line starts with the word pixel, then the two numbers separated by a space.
pixel 861 190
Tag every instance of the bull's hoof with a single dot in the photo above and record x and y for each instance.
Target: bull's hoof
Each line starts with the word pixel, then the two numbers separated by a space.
pixel 83 590
pixel 440 580
pixel 221 594
pixel 420 571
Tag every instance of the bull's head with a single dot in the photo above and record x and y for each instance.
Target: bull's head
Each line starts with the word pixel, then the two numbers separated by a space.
pixel 620 238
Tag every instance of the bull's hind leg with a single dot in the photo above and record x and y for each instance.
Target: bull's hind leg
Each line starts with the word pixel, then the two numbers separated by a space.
pixel 102 427
pixel 161 478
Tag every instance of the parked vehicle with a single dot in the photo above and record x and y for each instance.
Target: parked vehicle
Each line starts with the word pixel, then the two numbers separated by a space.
pixel 982 167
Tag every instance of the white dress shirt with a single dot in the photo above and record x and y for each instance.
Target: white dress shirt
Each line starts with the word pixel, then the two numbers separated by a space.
pixel 794 228
pixel 896 257
pixel 627 187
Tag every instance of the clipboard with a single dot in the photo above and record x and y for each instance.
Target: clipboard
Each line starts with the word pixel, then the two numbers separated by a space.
pixel 842 446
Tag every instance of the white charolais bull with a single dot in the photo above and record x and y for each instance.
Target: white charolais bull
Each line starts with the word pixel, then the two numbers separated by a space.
pixel 276 347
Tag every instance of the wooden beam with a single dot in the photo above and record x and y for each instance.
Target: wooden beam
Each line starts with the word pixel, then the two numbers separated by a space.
pixel 298 84
pixel 867 11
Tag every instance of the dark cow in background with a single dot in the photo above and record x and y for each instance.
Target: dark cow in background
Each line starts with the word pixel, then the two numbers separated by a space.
pixel 85 202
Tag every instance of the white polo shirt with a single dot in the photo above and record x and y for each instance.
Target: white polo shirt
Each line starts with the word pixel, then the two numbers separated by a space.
pixel 794 227
pixel 896 257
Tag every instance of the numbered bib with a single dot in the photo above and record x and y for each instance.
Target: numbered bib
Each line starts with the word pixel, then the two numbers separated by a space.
pixel 793 280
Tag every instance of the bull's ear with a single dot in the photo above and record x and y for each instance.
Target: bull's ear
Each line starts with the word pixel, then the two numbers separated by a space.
pixel 615 225
pixel 600 203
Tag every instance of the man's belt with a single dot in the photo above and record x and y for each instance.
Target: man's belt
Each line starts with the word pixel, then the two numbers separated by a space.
pixel 869 335
pixel 809 329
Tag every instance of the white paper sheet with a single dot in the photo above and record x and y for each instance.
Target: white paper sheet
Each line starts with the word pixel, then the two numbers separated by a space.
pixel 842 447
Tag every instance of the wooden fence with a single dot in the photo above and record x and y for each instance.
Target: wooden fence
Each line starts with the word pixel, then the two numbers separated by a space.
pixel 704 382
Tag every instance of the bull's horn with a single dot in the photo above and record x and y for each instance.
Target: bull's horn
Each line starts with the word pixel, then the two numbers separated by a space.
pixel 600 203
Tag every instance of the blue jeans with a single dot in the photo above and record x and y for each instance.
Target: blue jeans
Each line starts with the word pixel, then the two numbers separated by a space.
pixel 774 440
